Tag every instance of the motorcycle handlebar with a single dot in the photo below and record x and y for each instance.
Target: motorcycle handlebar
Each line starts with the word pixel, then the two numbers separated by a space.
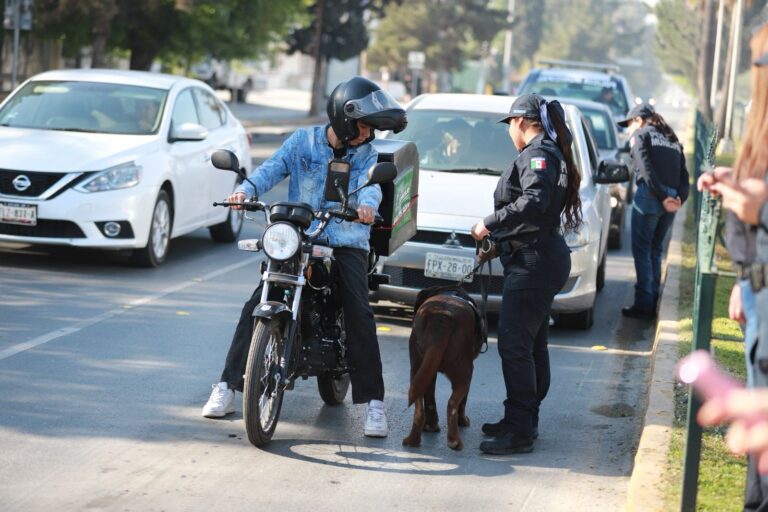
pixel 352 216
pixel 251 206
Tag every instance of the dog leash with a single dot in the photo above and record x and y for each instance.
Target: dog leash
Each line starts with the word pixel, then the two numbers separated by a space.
pixel 483 247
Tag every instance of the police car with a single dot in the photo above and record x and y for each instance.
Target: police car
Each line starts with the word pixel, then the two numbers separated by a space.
pixel 463 151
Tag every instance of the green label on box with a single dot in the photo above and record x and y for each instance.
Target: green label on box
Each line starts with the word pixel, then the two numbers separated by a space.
pixel 401 212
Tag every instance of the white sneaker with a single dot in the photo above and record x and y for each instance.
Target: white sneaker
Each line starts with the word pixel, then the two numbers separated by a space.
pixel 221 402
pixel 376 422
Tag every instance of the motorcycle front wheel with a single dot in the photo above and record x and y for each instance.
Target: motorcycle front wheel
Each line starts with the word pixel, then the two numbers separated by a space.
pixel 332 389
pixel 262 393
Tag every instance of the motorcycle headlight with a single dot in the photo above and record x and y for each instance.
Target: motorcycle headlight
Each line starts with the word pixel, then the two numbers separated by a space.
pixel 577 239
pixel 280 241
pixel 121 176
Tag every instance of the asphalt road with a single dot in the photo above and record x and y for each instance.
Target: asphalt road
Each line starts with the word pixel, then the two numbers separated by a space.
pixel 104 369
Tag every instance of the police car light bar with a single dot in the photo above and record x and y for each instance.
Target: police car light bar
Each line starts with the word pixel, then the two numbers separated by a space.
pixel 554 63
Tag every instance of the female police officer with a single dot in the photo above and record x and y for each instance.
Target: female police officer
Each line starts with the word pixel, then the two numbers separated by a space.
pixel 541 185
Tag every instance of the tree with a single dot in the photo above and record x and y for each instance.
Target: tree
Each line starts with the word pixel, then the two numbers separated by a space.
pixel 579 30
pixel 447 32
pixel 336 30
pixel 169 29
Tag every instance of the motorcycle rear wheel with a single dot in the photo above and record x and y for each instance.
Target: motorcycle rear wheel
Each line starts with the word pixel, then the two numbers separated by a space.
pixel 332 389
pixel 262 393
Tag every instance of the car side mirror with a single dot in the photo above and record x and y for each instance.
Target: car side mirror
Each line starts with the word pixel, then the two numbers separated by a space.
pixel 187 132
pixel 611 171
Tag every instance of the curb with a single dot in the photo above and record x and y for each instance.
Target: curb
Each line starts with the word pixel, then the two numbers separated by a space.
pixel 647 485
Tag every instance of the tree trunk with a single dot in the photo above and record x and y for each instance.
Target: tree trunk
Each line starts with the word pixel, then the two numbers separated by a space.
pixel 706 56
pixel 142 58
pixel 318 87
pixel 102 22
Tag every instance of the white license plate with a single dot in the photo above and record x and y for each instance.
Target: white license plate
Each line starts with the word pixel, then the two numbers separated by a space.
pixel 452 268
pixel 17 213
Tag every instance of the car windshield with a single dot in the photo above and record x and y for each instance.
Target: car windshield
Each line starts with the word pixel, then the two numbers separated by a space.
pixel 85 107
pixel 459 141
pixel 601 91
pixel 602 130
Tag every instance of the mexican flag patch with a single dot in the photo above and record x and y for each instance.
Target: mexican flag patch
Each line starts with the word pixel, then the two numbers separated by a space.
pixel 538 163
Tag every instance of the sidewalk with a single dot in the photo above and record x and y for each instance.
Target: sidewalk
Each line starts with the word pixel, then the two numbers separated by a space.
pixel 273 112
pixel 647 484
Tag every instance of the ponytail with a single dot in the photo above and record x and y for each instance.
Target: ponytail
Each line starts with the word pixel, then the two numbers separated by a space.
pixel 572 207
pixel 660 124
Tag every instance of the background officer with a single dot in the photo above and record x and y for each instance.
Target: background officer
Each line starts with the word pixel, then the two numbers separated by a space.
pixel 662 186
pixel 530 199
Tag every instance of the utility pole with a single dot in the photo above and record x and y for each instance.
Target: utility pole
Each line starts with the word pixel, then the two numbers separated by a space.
pixel 507 59
pixel 716 64
pixel 16 30
pixel 317 83
pixel 736 34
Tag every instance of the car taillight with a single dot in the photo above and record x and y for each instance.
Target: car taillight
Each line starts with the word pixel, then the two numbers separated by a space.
pixel 250 138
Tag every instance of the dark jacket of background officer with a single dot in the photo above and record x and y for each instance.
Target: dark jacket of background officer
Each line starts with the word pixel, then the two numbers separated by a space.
pixel 529 202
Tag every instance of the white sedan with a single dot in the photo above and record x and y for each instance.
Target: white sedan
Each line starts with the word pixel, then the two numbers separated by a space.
pixel 116 159
pixel 463 151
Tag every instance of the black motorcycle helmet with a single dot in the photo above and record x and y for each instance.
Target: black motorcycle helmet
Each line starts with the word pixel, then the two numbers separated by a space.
pixel 359 99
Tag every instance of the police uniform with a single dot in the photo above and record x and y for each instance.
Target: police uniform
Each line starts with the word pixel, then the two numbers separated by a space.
pixel 659 165
pixel 528 203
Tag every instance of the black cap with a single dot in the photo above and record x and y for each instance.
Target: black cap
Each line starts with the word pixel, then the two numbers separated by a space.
pixel 526 105
pixel 762 61
pixel 643 110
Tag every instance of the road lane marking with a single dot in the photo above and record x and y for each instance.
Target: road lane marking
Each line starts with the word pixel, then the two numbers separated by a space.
pixel 142 301
pixel 617 351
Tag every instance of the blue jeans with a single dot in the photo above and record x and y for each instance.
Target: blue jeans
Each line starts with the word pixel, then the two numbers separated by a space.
pixel 650 226
pixel 750 327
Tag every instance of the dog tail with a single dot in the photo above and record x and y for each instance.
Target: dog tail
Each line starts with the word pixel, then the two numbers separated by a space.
pixel 433 331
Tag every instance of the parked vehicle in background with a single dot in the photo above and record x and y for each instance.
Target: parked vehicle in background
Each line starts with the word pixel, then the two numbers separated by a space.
pixel 463 151
pixel 581 81
pixel 609 147
pixel 117 160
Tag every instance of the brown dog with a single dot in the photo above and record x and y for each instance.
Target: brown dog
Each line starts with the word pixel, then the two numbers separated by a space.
pixel 446 337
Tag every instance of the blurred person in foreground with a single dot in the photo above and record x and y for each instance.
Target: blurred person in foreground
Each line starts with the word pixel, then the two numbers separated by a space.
pixel 658 162
pixel 745 194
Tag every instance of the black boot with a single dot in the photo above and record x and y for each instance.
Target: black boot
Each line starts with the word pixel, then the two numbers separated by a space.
pixel 635 312
pixel 501 427
pixel 507 444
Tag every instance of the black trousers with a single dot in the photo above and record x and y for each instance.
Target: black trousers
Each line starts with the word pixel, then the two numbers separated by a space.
pixel 522 341
pixel 362 343
pixel 756 492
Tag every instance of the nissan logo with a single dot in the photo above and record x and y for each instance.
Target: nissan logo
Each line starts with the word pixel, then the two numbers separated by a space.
pixel 21 182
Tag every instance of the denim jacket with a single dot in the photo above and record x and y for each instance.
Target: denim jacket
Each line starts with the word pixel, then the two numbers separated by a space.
pixel 304 156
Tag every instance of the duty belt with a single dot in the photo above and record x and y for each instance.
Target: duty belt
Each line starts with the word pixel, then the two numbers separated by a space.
pixel 757 275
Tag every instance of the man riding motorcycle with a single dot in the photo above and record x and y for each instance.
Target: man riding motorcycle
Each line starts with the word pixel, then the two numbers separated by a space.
pixel 355 108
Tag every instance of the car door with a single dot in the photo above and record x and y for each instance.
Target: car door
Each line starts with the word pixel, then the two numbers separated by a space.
pixel 219 184
pixel 602 192
pixel 190 162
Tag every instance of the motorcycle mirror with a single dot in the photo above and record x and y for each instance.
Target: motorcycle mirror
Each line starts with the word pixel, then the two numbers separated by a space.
pixel 382 172
pixel 226 160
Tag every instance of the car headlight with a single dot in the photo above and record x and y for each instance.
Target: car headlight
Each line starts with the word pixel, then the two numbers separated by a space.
pixel 121 176
pixel 280 241
pixel 578 238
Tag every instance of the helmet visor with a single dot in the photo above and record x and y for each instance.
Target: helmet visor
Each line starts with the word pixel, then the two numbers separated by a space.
pixel 374 103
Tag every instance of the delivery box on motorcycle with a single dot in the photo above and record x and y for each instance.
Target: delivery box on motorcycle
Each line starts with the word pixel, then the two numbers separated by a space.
pixel 400 197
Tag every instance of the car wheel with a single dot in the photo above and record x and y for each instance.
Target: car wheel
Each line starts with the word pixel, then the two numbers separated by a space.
pixel 158 244
pixel 582 320
pixel 229 230
pixel 600 281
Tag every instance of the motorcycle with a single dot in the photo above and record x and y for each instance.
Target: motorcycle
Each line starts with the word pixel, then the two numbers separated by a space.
pixel 298 327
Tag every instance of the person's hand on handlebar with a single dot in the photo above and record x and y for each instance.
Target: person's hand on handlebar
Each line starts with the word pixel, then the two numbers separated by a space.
pixel 366 214
pixel 237 197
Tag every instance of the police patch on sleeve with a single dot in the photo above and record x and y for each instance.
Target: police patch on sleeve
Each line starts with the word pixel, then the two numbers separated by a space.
pixel 538 163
